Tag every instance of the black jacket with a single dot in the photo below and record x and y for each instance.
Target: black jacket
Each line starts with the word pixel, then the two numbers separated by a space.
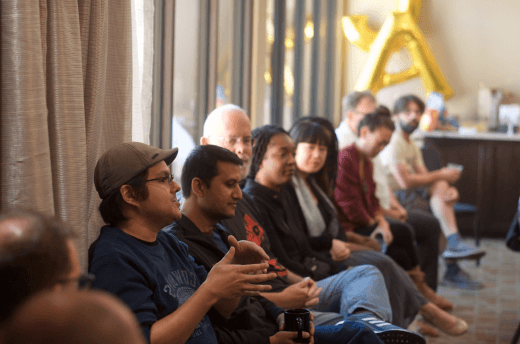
pixel 245 226
pixel 254 320
pixel 287 236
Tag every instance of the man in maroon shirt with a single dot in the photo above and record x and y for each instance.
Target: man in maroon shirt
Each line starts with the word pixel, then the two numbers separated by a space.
pixel 355 193
pixel 355 187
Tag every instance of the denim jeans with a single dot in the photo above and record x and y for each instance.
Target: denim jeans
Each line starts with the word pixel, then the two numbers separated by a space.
pixel 351 332
pixel 405 299
pixel 361 287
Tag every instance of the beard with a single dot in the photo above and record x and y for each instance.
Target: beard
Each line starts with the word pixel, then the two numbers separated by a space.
pixel 408 127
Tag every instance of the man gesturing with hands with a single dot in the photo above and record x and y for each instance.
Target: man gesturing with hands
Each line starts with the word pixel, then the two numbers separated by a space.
pixel 151 270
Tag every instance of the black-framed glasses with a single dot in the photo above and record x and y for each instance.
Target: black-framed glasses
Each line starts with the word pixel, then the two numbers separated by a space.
pixel 84 281
pixel 163 179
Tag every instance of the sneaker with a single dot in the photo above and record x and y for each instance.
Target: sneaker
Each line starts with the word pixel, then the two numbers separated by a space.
pixel 387 332
pixel 455 277
pixel 463 251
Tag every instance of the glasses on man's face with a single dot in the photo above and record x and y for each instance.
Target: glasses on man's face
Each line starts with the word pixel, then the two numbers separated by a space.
pixel 232 141
pixel 84 281
pixel 168 178
pixel 361 113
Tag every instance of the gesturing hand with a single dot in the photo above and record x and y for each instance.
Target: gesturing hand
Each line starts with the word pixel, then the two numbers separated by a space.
pixel 229 280
pixel 247 252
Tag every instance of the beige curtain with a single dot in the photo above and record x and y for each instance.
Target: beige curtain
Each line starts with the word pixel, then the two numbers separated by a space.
pixel 66 78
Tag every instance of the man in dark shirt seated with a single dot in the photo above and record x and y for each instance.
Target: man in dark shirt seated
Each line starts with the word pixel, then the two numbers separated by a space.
pixel 149 269
pixel 210 182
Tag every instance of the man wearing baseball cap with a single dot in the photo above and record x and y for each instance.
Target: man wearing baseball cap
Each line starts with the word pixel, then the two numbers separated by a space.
pixel 149 269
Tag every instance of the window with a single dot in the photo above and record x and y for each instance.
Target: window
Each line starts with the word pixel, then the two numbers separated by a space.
pixel 278 59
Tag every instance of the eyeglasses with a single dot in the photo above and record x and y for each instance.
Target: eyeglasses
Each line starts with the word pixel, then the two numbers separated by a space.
pixel 84 281
pixel 360 112
pixel 163 179
pixel 233 141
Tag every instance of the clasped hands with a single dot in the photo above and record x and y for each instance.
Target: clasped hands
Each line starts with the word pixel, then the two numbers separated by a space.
pixel 339 250
pixel 304 294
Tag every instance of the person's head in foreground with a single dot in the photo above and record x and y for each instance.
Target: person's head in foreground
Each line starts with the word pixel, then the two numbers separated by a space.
pixel 89 317
pixel 408 110
pixel 210 178
pixel 229 127
pixel 314 139
pixel 374 132
pixel 273 161
pixel 136 186
pixel 36 253
pixel 355 106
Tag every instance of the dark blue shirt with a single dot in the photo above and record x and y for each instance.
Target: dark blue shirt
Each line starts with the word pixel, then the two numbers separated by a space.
pixel 153 279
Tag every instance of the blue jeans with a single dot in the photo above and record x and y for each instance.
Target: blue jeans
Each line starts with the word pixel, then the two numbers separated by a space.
pixel 361 287
pixel 351 332
pixel 326 318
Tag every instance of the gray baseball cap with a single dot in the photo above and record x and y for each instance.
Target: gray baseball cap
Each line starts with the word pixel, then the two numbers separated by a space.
pixel 125 161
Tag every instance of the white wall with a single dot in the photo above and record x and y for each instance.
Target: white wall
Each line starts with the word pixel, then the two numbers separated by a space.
pixel 472 41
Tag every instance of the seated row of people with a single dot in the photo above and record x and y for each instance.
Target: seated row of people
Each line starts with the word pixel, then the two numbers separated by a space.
pixel 285 212
pixel 288 248
pixel 427 196
pixel 212 194
pixel 174 298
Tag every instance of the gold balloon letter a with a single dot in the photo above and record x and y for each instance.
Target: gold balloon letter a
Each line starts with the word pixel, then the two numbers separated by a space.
pixel 400 30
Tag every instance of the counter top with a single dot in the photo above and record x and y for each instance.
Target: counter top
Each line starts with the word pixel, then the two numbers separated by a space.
pixel 455 135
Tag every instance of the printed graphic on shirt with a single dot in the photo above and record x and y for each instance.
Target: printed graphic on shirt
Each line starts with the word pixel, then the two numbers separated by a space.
pixel 181 285
pixel 274 267
pixel 255 233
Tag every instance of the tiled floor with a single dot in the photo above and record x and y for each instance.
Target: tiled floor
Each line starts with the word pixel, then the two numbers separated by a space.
pixel 492 313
